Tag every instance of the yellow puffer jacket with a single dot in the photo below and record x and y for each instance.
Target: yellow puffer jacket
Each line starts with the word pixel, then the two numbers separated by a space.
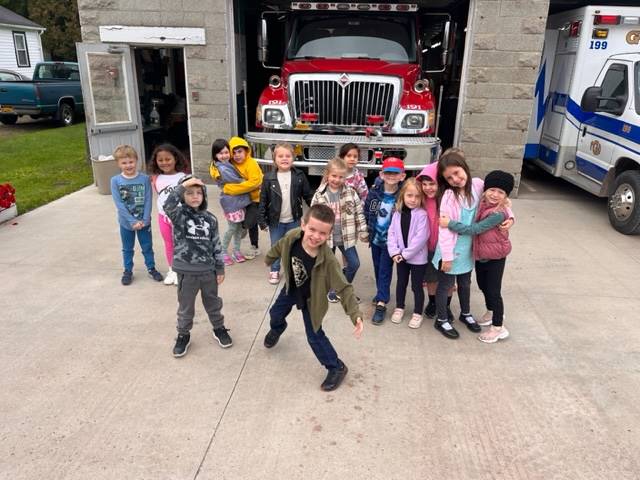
pixel 249 170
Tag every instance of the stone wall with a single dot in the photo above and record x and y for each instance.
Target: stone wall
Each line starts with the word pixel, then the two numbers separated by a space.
pixel 207 70
pixel 507 40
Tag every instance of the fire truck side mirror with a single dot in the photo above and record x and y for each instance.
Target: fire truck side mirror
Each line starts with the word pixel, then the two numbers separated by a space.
pixel 263 41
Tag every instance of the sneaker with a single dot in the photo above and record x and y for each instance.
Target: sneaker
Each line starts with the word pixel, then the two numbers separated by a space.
pixel 228 261
pixel 470 322
pixel 333 297
pixel 238 257
pixel 416 320
pixel 171 278
pixel 155 274
pixel 430 310
pixel 334 377
pixel 379 313
pixel 486 319
pixel 494 334
pixel 252 253
pixel 446 329
pixel 271 338
pixel 222 336
pixel 274 278
pixel 396 316
pixel 127 277
pixel 182 344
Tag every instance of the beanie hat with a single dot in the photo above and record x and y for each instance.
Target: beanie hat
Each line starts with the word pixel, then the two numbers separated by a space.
pixel 393 164
pixel 499 179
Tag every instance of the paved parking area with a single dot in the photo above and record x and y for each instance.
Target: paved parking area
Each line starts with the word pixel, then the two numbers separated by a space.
pixel 90 389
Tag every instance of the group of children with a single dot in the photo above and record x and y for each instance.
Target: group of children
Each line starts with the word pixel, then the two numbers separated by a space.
pixel 435 228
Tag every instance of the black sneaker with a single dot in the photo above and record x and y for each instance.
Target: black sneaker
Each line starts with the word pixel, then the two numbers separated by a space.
pixel 155 274
pixel 182 344
pixel 446 329
pixel 470 322
pixel 378 314
pixel 271 338
pixel 222 336
pixel 334 377
pixel 430 310
pixel 127 277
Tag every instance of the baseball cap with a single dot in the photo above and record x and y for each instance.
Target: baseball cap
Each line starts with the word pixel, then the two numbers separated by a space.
pixel 393 164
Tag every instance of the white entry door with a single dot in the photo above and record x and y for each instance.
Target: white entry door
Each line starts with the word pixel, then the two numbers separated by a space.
pixel 109 89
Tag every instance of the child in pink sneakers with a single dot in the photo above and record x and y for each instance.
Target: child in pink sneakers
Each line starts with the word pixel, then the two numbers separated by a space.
pixel 233 206
pixel 491 245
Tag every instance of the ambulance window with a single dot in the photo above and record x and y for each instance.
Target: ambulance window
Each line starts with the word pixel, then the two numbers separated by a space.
pixel 614 84
pixel 637 87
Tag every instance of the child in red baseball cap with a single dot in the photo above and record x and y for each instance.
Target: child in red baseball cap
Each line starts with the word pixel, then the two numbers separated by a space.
pixel 378 210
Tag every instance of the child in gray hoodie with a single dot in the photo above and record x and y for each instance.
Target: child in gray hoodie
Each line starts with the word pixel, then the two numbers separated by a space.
pixel 197 260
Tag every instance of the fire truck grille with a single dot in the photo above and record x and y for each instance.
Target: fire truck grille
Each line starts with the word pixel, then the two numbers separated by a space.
pixel 346 106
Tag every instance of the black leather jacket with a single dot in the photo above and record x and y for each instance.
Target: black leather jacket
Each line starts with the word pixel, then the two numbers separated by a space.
pixel 271 197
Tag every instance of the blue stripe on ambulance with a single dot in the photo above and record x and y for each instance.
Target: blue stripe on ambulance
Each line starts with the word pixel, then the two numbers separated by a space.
pixel 590 169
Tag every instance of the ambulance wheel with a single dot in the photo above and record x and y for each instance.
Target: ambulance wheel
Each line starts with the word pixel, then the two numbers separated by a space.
pixel 624 204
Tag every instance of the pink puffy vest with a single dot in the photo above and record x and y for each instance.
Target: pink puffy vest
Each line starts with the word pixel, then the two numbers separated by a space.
pixel 493 244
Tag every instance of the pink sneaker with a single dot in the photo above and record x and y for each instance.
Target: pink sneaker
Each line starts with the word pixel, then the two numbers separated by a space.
pixel 228 261
pixel 238 257
pixel 274 278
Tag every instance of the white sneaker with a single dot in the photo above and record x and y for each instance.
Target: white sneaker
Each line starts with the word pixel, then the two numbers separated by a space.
pixel 274 278
pixel 396 316
pixel 487 319
pixel 416 320
pixel 252 252
pixel 171 278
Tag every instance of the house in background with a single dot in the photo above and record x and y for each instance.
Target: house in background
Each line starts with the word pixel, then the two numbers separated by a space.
pixel 20 43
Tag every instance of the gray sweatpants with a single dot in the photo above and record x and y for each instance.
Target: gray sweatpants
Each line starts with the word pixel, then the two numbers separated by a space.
pixel 188 287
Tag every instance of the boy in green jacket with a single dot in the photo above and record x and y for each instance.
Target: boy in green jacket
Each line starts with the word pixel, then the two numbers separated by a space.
pixel 311 270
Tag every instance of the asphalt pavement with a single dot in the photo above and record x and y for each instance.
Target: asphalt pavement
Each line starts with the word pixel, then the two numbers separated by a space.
pixel 90 389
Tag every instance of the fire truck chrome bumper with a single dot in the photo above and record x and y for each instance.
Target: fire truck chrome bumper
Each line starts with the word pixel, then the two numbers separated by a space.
pixel 419 150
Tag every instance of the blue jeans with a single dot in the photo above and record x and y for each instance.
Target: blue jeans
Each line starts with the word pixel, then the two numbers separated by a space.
pixel 353 262
pixel 128 238
pixel 276 232
pixel 318 341
pixel 383 269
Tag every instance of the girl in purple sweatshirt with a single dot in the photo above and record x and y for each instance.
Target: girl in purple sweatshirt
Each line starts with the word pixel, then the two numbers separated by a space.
pixel 407 245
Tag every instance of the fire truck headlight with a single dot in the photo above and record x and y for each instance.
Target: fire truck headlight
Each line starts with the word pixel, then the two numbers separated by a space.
pixel 273 116
pixel 413 121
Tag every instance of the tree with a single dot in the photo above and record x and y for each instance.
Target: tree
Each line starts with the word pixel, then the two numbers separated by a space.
pixel 60 18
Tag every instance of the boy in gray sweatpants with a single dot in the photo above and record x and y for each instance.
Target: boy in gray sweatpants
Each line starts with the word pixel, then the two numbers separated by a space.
pixel 197 259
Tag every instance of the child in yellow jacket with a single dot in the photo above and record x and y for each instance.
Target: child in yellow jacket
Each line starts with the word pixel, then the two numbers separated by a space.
pixel 252 174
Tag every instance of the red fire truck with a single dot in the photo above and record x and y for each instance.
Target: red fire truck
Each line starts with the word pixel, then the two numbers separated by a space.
pixel 352 72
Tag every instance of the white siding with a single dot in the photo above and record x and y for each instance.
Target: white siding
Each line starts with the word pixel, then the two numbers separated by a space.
pixel 8 53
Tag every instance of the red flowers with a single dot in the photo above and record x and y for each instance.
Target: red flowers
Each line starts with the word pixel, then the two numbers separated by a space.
pixel 7 195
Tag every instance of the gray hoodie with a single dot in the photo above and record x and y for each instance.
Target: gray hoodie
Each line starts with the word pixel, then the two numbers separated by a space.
pixel 196 238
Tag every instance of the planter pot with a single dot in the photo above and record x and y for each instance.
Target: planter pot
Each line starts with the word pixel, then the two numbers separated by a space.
pixel 8 213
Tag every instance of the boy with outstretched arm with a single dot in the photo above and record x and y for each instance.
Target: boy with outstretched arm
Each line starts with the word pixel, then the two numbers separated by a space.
pixel 311 270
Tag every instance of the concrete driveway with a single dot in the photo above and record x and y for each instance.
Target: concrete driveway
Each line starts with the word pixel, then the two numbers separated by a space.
pixel 90 390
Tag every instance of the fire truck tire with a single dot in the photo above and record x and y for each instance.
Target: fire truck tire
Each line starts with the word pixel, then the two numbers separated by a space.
pixel 9 119
pixel 624 204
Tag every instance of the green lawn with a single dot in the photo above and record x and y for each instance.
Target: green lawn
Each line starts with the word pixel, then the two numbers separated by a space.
pixel 45 165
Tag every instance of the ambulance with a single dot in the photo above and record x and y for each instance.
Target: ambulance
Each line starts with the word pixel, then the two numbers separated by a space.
pixel 585 123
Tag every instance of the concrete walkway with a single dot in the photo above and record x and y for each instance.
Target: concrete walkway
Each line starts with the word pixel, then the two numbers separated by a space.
pixel 90 390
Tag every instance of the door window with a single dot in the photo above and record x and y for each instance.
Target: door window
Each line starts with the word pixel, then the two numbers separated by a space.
pixel 108 88
pixel 614 84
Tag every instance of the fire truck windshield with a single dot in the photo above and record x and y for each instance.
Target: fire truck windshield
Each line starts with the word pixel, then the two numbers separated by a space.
pixel 353 36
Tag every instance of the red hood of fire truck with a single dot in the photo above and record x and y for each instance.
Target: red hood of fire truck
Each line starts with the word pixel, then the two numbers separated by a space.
pixel 408 72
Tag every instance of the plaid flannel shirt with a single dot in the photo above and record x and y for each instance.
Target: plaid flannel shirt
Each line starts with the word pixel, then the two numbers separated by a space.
pixel 352 219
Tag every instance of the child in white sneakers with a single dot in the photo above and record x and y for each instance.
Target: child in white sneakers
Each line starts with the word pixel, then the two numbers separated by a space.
pixel 491 245
pixel 281 197
pixel 233 206
pixel 167 167
pixel 407 245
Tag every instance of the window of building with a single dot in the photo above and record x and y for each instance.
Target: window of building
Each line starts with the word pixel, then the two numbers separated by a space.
pixel 20 45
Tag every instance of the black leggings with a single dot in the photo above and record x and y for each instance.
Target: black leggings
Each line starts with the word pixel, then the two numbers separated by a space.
pixel 489 277
pixel 416 272
pixel 251 222
pixel 445 283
